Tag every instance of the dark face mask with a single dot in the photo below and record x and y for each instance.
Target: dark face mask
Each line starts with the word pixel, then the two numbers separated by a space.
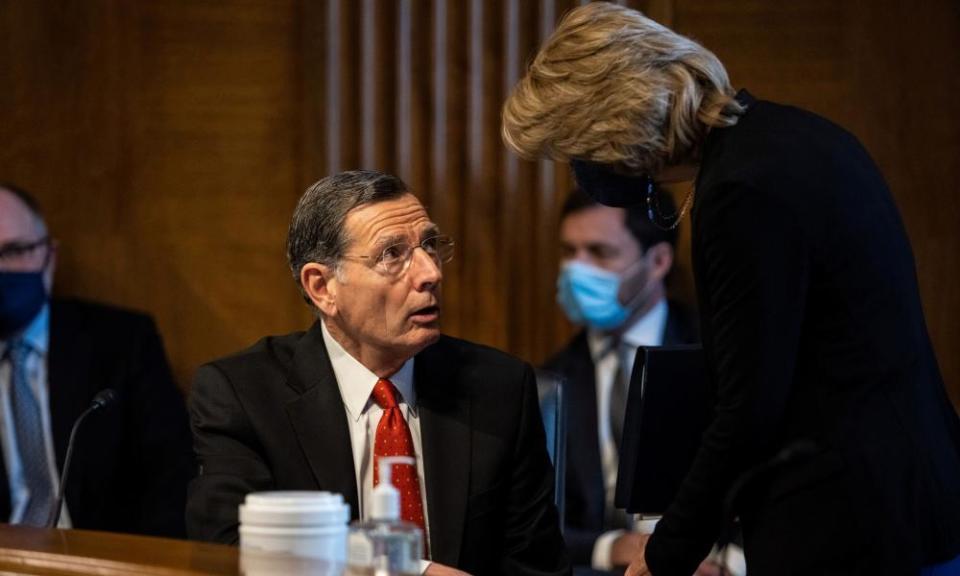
pixel 22 296
pixel 609 187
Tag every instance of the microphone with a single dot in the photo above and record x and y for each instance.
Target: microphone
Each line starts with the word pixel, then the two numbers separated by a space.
pixel 103 399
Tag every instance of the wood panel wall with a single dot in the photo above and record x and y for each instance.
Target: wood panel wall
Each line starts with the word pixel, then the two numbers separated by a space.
pixel 415 88
pixel 169 141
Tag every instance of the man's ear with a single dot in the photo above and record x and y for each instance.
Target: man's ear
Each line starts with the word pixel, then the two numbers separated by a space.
pixel 660 260
pixel 319 282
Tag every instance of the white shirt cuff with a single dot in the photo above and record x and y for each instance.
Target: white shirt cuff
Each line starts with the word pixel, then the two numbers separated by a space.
pixel 424 564
pixel 602 549
pixel 734 560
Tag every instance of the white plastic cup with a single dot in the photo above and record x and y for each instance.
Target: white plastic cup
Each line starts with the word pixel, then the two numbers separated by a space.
pixel 301 524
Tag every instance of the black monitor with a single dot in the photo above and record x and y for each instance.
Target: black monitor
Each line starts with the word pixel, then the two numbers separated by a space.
pixel 668 407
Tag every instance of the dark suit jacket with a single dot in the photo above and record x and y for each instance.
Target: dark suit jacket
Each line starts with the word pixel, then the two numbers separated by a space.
pixel 271 418
pixel 813 330
pixel 132 462
pixel 585 500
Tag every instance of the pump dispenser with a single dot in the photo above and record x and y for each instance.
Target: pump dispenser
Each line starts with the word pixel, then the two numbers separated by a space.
pixel 386 497
pixel 385 545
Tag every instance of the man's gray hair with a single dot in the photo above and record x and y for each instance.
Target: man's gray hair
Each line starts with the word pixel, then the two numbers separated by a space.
pixel 316 231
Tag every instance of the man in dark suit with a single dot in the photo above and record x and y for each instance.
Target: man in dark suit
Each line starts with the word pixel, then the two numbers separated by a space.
pixel 612 282
pixel 312 410
pixel 132 461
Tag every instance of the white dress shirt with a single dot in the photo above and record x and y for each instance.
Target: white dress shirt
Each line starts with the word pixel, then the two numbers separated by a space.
pixel 37 336
pixel 648 330
pixel 356 384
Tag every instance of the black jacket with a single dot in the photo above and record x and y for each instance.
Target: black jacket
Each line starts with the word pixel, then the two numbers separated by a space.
pixel 584 499
pixel 131 462
pixel 813 331
pixel 271 418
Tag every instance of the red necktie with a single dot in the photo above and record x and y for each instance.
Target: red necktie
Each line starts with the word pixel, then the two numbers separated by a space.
pixel 393 439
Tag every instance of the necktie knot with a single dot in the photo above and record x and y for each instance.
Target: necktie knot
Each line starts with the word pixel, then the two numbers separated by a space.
pixel 385 394
pixel 610 347
pixel 17 351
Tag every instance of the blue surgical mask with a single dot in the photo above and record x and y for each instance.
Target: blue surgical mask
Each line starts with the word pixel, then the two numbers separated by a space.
pixel 589 295
pixel 22 296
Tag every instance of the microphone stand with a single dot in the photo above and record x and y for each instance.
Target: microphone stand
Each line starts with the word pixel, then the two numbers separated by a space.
pixel 103 399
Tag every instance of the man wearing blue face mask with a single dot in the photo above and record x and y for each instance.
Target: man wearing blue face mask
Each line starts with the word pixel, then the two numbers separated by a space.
pixel 611 282
pixel 132 461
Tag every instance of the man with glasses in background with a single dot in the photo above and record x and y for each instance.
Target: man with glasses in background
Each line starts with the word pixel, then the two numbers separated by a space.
pixel 131 463
pixel 313 410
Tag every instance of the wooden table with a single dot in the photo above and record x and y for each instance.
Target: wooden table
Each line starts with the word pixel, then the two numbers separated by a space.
pixel 26 550
pixel 48 552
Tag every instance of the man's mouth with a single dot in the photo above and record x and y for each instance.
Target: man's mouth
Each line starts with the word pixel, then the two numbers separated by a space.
pixel 426 314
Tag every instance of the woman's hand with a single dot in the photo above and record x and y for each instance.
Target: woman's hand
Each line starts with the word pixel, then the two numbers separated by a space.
pixel 638 567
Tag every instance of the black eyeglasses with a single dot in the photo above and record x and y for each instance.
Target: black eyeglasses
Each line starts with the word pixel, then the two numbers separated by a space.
pixel 608 186
pixel 18 252
pixel 395 258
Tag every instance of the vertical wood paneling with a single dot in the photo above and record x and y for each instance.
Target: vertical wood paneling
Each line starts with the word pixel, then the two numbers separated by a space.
pixel 447 198
pixel 517 208
pixel 523 211
pixel 378 91
pixel 162 139
pixel 169 141
pixel 313 92
pixel 343 68
pixel 482 237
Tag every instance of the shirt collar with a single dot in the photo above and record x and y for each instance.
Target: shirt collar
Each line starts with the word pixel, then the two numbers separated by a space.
pixel 646 331
pixel 356 381
pixel 37 333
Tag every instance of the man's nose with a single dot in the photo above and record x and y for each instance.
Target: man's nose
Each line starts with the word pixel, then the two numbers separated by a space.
pixel 580 255
pixel 424 269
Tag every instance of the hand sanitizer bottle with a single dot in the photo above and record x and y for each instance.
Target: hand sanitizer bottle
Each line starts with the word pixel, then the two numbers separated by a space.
pixel 385 545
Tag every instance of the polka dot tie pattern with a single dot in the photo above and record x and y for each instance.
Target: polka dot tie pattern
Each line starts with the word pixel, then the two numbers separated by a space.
pixel 393 439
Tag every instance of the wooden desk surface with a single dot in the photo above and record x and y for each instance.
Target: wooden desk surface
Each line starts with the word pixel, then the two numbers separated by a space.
pixel 39 551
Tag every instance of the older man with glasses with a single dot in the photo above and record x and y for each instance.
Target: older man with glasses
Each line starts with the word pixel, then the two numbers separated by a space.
pixel 131 464
pixel 314 410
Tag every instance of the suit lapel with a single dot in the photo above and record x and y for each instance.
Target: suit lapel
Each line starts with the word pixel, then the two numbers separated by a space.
pixel 583 410
pixel 443 403
pixel 319 419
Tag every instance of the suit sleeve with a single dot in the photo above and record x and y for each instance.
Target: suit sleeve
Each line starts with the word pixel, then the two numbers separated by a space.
pixel 532 541
pixel 159 438
pixel 580 543
pixel 753 269
pixel 229 457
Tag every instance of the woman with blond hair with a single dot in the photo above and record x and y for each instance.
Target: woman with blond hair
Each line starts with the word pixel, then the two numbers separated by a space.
pixel 831 426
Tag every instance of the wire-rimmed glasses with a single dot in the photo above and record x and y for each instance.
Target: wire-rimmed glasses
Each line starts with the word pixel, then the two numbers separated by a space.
pixel 395 258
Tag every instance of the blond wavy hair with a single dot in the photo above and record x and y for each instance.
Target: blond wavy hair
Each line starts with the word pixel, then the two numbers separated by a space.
pixel 612 86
